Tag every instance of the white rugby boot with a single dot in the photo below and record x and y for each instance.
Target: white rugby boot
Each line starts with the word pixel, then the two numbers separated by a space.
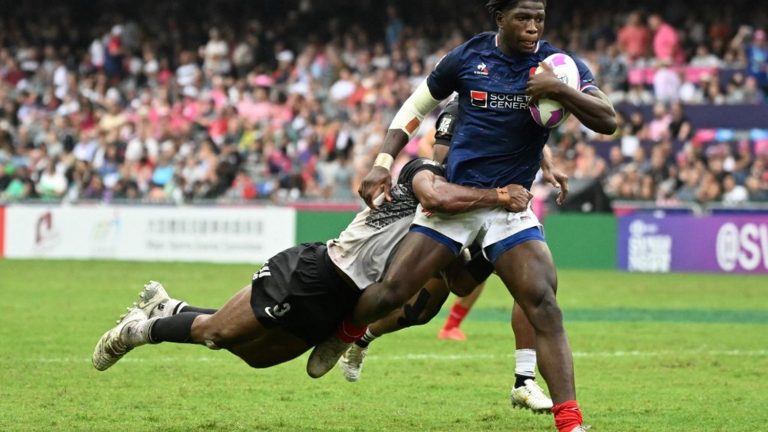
pixel 351 362
pixel 532 397
pixel 154 301
pixel 325 356
pixel 130 332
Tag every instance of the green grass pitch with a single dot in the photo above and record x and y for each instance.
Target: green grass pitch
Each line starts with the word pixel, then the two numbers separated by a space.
pixel 652 353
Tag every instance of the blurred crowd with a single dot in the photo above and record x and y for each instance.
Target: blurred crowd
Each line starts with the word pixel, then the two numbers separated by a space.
pixel 665 162
pixel 284 100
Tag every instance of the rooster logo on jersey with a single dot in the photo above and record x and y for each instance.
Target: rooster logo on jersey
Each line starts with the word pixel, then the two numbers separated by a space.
pixel 482 69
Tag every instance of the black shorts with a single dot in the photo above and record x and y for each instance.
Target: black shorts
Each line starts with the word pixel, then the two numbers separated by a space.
pixel 299 290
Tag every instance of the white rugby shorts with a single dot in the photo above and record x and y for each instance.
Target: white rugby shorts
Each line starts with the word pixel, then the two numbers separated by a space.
pixel 486 226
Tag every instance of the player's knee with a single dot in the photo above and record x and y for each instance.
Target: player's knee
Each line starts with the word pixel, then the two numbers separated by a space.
pixel 550 310
pixel 463 289
pixel 418 313
pixel 394 295
pixel 213 334
pixel 544 313
pixel 427 315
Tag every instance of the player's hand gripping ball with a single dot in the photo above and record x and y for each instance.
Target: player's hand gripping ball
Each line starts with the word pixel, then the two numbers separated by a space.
pixel 547 112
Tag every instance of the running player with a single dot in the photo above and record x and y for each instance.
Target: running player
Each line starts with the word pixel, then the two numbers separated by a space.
pixel 301 294
pixel 525 392
pixel 498 143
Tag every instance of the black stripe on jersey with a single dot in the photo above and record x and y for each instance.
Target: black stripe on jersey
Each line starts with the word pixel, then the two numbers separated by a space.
pixel 404 201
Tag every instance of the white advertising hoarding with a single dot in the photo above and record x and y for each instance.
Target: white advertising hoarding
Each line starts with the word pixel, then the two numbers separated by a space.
pixel 215 234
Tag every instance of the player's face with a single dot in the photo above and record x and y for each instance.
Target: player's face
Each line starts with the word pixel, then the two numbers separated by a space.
pixel 522 26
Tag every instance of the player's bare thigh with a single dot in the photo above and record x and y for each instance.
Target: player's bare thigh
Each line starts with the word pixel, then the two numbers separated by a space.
pixel 231 325
pixel 528 271
pixel 270 347
pixel 236 328
pixel 417 258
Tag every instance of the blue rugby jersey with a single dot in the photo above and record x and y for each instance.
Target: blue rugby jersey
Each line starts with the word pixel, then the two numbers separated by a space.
pixel 496 142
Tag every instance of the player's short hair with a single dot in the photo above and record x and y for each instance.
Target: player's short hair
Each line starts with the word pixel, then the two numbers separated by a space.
pixel 494 6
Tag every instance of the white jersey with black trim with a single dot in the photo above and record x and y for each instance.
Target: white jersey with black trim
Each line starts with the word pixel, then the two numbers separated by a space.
pixel 362 250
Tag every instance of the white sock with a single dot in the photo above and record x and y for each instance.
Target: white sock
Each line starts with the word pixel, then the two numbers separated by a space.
pixel 367 338
pixel 170 307
pixel 525 362
pixel 137 333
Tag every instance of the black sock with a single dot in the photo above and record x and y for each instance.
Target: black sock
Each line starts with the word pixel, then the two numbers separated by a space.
pixel 200 310
pixel 520 380
pixel 177 328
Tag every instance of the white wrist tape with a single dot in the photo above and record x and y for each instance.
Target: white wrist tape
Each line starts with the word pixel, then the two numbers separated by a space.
pixel 419 104
pixel 384 160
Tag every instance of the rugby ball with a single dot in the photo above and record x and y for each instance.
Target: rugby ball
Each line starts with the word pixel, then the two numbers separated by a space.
pixel 547 112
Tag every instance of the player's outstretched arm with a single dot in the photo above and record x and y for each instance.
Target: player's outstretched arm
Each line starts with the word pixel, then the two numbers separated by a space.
pixel 404 125
pixel 437 195
pixel 379 180
pixel 592 108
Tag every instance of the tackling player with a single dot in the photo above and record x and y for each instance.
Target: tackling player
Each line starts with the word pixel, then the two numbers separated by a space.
pixel 498 143
pixel 300 295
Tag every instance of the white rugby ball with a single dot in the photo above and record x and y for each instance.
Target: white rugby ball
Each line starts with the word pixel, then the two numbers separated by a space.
pixel 547 112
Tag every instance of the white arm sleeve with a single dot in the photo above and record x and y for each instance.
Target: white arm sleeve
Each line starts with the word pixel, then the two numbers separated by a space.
pixel 419 104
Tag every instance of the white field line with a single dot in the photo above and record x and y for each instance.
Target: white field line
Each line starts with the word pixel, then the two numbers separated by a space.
pixel 408 357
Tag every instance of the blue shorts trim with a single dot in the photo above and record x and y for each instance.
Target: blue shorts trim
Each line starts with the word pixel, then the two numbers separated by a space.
pixel 452 244
pixel 494 251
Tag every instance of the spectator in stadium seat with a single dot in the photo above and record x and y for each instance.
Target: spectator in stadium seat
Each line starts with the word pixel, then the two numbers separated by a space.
pixel 658 128
pixel 114 52
pixel 734 194
pixel 615 161
pixel 705 59
pixel 666 42
pixel 628 187
pixel 753 94
pixel 394 27
pixel 756 53
pixel 95 189
pixel 639 95
pixel 613 67
pixel 680 127
pixel 188 73
pixel 666 83
pixel 713 94
pixel 647 189
pixel 52 182
pixel 636 126
pixel 758 169
pixel 717 155
pixel 709 188
pixel 742 162
pixel 21 186
pixel 758 190
pixel 735 93
pixel 691 178
pixel 658 168
pixel 634 38
pixel 216 54
pixel 589 164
